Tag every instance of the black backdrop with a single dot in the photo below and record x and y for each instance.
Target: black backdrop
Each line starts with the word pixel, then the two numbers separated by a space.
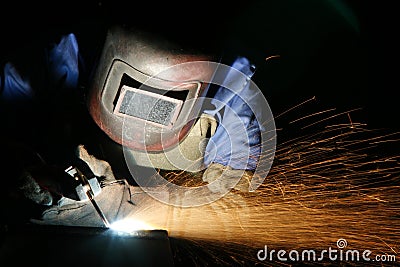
pixel 343 52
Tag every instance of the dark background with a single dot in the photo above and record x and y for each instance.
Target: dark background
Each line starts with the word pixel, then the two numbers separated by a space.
pixel 342 52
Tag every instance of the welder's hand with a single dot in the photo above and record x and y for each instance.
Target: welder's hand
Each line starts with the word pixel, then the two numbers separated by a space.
pixel 100 168
pixel 222 178
pixel 44 184
pixel 31 190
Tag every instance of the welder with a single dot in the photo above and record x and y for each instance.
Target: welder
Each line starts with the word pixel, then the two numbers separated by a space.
pixel 146 94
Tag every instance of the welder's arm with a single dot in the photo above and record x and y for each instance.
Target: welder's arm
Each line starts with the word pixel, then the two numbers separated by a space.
pixel 13 86
pixel 61 64
pixel 233 151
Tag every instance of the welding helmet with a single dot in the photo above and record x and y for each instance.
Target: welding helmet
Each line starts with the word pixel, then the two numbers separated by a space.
pixel 143 106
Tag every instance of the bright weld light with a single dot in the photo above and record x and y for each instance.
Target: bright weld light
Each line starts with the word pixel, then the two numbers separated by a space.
pixel 130 226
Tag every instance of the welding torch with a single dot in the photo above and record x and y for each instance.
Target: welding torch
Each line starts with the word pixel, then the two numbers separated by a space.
pixel 87 190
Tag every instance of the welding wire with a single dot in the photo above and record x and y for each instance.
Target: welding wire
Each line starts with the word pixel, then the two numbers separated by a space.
pixel 99 211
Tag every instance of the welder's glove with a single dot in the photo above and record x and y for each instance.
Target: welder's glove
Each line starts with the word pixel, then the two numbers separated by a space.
pixel 44 184
pixel 100 168
pixel 31 190
pixel 222 179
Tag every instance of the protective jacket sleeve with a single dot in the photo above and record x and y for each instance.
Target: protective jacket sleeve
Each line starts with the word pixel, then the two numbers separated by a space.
pixel 236 142
pixel 61 68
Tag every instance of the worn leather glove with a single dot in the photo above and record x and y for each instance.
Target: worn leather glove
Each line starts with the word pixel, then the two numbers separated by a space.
pixel 222 179
pixel 44 184
pixel 100 168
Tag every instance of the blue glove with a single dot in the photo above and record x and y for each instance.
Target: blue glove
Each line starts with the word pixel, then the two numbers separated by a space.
pixel 62 65
pixel 236 142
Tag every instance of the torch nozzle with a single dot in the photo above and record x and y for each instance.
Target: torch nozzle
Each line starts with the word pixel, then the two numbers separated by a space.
pixel 85 188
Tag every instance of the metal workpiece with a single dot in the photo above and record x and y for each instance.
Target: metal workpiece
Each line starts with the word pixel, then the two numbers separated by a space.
pixel 47 245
